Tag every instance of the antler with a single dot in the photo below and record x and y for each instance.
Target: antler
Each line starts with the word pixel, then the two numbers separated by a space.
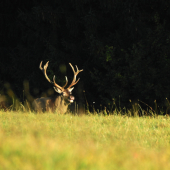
pixel 75 74
pixel 66 82
pixel 44 70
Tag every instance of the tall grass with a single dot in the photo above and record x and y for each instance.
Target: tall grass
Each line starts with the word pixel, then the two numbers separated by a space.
pixel 51 141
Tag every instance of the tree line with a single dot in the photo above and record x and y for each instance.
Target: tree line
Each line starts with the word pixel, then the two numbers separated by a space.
pixel 122 46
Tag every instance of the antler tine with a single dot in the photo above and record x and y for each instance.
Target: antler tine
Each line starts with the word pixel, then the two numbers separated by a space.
pixel 66 82
pixel 58 85
pixel 75 74
pixel 44 70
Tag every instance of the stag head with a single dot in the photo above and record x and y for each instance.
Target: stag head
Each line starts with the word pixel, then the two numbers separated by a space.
pixel 64 98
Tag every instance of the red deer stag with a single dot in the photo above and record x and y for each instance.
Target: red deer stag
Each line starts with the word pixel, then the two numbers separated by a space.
pixel 60 102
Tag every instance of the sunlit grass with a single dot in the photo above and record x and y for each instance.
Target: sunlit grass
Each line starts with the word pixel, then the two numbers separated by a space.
pixel 50 141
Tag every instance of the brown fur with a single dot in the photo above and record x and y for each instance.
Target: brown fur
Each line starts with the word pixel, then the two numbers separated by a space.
pixel 57 104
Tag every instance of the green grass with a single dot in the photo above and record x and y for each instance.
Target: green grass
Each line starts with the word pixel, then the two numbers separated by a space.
pixel 49 141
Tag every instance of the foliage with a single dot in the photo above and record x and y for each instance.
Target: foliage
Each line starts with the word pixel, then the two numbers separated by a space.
pixel 123 47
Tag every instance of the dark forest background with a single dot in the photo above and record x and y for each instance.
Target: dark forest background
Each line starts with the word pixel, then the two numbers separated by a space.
pixel 123 46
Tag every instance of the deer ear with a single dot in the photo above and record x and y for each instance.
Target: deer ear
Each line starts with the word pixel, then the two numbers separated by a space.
pixel 70 89
pixel 57 90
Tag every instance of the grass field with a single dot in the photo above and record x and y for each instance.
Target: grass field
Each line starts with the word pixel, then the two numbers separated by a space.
pixel 49 141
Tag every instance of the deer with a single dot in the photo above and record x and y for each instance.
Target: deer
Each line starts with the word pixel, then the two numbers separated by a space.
pixel 60 102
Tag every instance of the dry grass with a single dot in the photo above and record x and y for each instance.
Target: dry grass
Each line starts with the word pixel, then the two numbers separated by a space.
pixel 31 141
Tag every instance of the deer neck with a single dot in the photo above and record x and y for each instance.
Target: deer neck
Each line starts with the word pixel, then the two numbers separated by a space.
pixel 61 104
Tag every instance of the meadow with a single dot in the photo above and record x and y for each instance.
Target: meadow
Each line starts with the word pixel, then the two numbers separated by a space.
pixel 30 141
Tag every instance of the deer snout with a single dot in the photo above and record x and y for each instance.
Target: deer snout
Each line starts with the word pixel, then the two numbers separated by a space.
pixel 71 99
